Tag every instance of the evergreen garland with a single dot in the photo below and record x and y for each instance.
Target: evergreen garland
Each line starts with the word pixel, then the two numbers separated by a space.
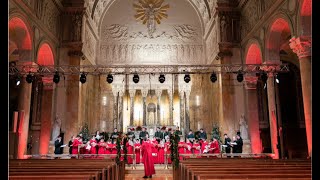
pixel 174 150
pixel 118 150
pixel 125 151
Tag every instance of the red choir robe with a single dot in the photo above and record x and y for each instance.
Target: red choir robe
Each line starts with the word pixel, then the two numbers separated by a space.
pixel 129 151
pixel 75 145
pixel 102 147
pixel 196 149
pixel 85 150
pixel 114 150
pixel 188 149
pixel 147 159
pixel 137 152
pixel 203 146
pixel 168 152
pixel 161 153
pixel 93 149
pixel 108 148
pixel 155 151
pixel 216 147
pixel 181 146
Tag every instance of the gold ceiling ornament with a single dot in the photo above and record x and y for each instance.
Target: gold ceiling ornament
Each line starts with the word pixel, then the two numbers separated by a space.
pixel 150 12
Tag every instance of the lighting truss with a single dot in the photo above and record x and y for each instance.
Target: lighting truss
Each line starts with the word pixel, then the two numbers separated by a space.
pixel 146 69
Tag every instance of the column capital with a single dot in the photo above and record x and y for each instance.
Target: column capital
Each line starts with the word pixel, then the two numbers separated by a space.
pixel 144 92
pixel 158 92
pixel 132 92
pixel 250 81
pixel 301 46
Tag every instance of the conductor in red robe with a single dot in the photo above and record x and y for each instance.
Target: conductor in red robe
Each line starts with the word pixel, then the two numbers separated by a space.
pixel 147 159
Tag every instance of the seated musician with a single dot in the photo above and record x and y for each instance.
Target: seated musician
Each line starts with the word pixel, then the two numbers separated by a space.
pixel 114 135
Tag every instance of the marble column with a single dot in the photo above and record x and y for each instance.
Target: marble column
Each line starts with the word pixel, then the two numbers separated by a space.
pixel 144 98
pixel 170 107
pixel 24 114
pixel 252 112
pixel 120 120
pixel 132 94
pixel 187 112
pixel 302 47
pixel 158 93
pixel 182 120
pixel 272 115
pixel 115 108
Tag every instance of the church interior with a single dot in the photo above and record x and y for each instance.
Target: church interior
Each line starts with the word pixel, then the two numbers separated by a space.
pixel 224 66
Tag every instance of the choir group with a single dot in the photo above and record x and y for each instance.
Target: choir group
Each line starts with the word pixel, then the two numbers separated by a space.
pixel 160 145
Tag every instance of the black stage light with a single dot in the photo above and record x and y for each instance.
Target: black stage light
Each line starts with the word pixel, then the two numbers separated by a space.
pixel 162 78
pixel 135 78
pixel 29 78
pixel 56 77
pixel 213 77
pixel 109 78
pixel 264 77
pixel 83 78
pixel 187 78
pixel 240 76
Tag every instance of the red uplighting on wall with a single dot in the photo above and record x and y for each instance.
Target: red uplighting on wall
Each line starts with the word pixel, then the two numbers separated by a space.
pixel 254 55
pixel 306 9
pixel 279 29
pixel 45 55
pixel 19 33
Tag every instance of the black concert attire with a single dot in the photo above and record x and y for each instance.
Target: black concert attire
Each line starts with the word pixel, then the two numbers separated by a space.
pixel 227 142
pixel 142 136
pixel 57 147
pixel 157 134
pixel 114 136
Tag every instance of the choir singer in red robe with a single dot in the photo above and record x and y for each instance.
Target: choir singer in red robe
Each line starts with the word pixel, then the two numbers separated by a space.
pixel 147 159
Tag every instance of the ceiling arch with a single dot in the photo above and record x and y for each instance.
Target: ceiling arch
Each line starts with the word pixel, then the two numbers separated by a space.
pixel 204 9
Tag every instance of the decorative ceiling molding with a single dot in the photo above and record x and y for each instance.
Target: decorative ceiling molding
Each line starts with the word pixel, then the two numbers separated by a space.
pixel 180 33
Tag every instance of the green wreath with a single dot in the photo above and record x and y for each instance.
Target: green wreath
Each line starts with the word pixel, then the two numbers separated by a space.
pixel 118 150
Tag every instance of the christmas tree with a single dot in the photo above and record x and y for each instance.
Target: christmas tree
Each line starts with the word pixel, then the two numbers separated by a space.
pixel 85 132
pixel 216 133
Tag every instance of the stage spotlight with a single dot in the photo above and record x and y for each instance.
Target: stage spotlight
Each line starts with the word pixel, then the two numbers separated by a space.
pixel 135 78
pixel 162 78
pixel 29 78
pixel 213 77
pixel 277 79
pixel 56 77
pixel 187 78
pixel 109 78
pixel 83 78
pixel 18 80
pixel 240 76
pixel 264 77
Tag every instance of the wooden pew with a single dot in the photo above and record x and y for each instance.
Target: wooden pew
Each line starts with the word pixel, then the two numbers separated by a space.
pixel 107 167
pixel 243 168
